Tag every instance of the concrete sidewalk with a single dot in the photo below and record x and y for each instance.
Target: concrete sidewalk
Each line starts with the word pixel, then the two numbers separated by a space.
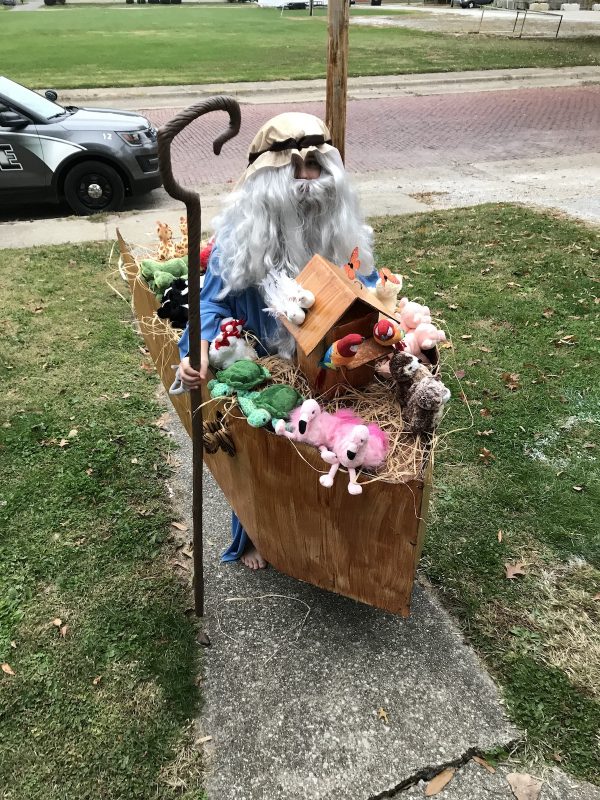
pixel 367 87
pixel 296 681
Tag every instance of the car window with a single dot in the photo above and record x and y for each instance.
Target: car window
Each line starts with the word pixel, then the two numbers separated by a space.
pixel 26 99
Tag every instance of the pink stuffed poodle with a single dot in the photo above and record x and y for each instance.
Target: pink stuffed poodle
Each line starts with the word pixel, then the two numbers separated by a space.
pixel 424 337
pixel 411 314
pixel 353 445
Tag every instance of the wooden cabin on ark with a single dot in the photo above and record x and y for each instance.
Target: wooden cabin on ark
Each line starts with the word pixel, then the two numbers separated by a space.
pixel 342 306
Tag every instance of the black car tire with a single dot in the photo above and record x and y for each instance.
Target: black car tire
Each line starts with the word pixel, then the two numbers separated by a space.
pixel 91 174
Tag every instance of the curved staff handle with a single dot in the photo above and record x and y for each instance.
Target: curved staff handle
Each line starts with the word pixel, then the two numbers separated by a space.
pixel 166 134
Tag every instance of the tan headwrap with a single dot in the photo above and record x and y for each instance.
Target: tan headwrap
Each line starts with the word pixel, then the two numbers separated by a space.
pixel 284 137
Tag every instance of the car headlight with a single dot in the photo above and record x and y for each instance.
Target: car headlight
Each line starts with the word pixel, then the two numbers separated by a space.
pixel 133 138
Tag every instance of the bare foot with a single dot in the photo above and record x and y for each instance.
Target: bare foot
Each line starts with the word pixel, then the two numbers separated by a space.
pixel 253 559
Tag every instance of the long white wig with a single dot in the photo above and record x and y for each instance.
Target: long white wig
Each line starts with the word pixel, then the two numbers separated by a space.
pixel 275 223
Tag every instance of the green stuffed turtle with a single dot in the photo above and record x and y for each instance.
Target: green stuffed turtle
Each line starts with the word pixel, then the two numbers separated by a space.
pixel 272 404
pixel 241 377
pixel 159 275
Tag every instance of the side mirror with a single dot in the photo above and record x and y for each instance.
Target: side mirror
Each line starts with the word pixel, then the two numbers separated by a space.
pixel 51 94
pixel 11 119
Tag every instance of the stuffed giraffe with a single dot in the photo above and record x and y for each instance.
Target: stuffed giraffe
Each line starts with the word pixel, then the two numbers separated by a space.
pixel 166 248
pixel 181 248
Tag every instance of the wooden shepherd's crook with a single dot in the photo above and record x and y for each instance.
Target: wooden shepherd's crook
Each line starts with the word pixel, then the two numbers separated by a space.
pixel 166 134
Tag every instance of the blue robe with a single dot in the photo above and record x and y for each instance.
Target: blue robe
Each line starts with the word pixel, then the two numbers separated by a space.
pixel 247 305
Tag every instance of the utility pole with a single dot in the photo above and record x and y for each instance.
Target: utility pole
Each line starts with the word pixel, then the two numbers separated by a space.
pixel 338 15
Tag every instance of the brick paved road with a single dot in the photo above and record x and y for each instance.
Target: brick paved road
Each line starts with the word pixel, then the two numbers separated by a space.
pixel 413 132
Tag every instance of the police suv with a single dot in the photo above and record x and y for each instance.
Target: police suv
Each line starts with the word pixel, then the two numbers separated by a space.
pixel 91 157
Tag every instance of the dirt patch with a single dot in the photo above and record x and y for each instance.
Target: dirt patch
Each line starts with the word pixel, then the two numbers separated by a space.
pixel 496 23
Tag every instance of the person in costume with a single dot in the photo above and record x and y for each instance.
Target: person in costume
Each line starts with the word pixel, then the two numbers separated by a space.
pixel 293 201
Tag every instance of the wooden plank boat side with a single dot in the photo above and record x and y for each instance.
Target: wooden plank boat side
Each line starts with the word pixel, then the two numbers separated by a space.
pixel 364 547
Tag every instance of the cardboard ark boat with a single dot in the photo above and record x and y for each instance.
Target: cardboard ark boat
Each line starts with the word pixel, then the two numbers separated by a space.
pixel 365 547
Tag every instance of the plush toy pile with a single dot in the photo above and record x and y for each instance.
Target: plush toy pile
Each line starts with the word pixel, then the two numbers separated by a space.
pixel 345 437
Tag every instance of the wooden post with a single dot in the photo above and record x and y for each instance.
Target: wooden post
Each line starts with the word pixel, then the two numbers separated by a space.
pixel 337 72
pixel 310 8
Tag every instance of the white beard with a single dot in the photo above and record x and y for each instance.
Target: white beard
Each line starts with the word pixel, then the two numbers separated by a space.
pixel 274 224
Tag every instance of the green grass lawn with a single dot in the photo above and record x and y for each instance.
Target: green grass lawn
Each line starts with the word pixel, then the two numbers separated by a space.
pixel 518 292
pixel 99 708
pixel 137 46
pixel 103 711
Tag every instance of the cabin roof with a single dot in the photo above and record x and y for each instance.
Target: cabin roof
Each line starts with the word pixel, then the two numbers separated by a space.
pixel 334 294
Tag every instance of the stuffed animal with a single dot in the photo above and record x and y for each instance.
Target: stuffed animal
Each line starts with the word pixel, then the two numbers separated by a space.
pixel 342 351
pixel 224 352
pixel 387 333
pixel 159 275
pixel 241 377
pixel 411 314
pixel 175 306
pixel 181 248
pixel 271 404
pixel 406 372
pixel 286 298
pixel 424 337
pixel 425 407
pixel 229 346
pixel 205 253
pixel 305 425
pixel 387 289
pixel 166 248
pixel 351 444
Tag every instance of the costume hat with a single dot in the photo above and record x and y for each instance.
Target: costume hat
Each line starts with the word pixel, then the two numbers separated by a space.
pixel 284 138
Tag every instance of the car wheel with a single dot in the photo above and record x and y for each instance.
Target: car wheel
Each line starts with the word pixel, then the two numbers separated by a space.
pixel 93 187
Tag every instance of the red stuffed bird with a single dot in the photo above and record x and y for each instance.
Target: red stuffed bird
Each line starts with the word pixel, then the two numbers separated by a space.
pixel 387 332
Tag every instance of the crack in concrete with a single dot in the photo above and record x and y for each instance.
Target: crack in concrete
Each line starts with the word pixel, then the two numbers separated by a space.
pixel 427 773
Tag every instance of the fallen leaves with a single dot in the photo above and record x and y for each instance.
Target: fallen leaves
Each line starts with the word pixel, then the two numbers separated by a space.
pixel 57 622
pixel 523 786
pixel 440 781
pixel 485 412
pixel 459 374
pixel 486 456
pixel 163 421
pixel 512 570
pixel 500 534
pixel 180 526
pixel 97 680
pixel 485 433
pixel 7 669
pixel 563 341
pixel 483 763
pixel 511 380
pixel 382 714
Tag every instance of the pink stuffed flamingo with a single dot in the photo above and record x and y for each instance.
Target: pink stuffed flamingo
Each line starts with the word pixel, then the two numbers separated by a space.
pixel 305 425
pixel 351 444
